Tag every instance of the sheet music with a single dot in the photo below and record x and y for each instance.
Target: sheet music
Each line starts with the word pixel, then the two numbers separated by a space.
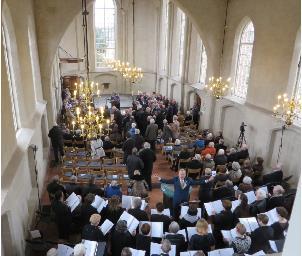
pixel 213 206
pixel 157 228
pixel 165 212
pixel 188 253
pixel 73 201
pixel 90 247
pixel 251 198
pixel 272 216
pixel 35 234
pixel 273 245
pixel 250 223
pixel 137 252
pixel 184 210
pixel 99 203
pixel 235 204
pixel 222 252
pixel 156 249
pixel 132 222
pixel 64 250
pixel 127 202
pixel 230 235
pixel 106 227
pixel 260 253
pixel 182 232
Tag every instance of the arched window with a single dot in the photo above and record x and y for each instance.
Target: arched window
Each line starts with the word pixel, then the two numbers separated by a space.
pixel 243 63
pixel 165 32
pixel 202 64
pixel 104 20
pixel 182 22
pixel 10 77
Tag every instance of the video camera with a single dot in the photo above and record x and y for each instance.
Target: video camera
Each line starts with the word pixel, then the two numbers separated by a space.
pixel 242 129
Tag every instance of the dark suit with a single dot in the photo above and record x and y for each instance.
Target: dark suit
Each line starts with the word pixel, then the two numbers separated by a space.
pixel 128 145
pixel 161 218
pixel 72 187
pixel 86 212
pixel 181 195
pixel 260 239
pixel 139 140
pixel 56 136
pixel 259 206
pixel 92 233
pixel 178 240
pixel 63 218
pixel 148 157
pixel 139 214
pixel 143 243
pixel 273 177
pixel 134 163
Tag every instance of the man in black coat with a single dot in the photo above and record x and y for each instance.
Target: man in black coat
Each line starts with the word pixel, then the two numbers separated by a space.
pixel 134 163
pixel 128 145
pixel 54 186
pixel 139 214
pixel 148 156
pixel 118 118
pixel 73 187
pixel 139 139
pixel 160 217
pixel 56 136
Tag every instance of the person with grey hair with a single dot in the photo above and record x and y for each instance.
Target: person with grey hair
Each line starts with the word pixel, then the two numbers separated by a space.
pixel 167 132
pixel 139 139
pixel 151 133
pixel 137 212
pixel 72 186
pixel 79 250
pixel 259 206
pixel 277 199
pixel 208 161
pixel 107 145
pixel 232 155
pixel 121 238
pixel 126 252
pixel 54 186
pixel 134 162
pixel 220 158
pixel 235 173
pixel 148 157
pixel 165 247
pixel 176 239
pixel 246 184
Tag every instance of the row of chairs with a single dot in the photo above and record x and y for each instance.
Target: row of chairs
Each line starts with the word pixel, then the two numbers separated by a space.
pixel 89 162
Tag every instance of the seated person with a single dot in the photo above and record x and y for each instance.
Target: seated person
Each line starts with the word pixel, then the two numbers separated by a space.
pixel 160 217
pixel 176 148
pixel 242 242
pixel 107 144
pixel 190 218
pixel 277 199
pixel 184 155
pixel 113 210
pixel 235 173
pixel 199 144
pixel 281 225
pixel 258 168
pixel 188 118
pixel 210 149
pixel 121 238
pixel 87 209
pixel 91 187
pixel 176 239
pixel 73 187
pixel 220 158
pixel 259 206
pixel 243 209
pixel 246 184
pixel 165 247
pixel 232 155
pixel 247 168
pixel 195 164
pixel 54 186
pixel 67 136
pixel 205 191
pixel 222 221
pixel 208 162
pixel 261 236
pixel 126 252
pixel 113 190
pixel 143 240
pixel 243 153
pixel 91 231
pixel 203 240
pixel 220 145
pixel 221 174
pixel 275 176
pixel 137 212
pixel 138 185
pixel 224 191
pixel 209 138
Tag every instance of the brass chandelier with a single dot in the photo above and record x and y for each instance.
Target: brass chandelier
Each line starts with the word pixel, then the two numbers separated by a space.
pixel 217 87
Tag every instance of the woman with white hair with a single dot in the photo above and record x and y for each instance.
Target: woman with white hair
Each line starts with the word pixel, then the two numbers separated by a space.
pixel 91 231
pixel 259 206
pixel 220 158
pixel 208 162
pixel 210 149
pixel 176 239
pixel 188 118
pixel 277 199
pixel 246 184
pixel 235 173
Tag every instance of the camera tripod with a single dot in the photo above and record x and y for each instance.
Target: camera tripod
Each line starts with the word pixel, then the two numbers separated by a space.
pixel 241 139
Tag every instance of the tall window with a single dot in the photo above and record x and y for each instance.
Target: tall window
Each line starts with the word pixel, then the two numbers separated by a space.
pixel 244 58
pixel 104 31
pixel 165 21
pixel 182 23
pixel 11 82
pixel 203 64
pixel 297 88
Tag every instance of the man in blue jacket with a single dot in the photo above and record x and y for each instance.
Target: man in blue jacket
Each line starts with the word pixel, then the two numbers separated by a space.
pixel 181 188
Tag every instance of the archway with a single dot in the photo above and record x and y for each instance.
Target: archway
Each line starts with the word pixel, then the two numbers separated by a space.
pixel 172 91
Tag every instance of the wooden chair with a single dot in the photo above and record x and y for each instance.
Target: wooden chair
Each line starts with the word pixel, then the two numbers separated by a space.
pixel 79 143
pixel 119 160
pixel 98 174
pixel 68 161
pixel 67 171
pixel 111 172
pixel 83 174
pixel 81 163
pixel 68 143
pixel 194 172
pixel 119 154
pixel 95 164
pixel 182 161
pixel 108 160
pixel 109 152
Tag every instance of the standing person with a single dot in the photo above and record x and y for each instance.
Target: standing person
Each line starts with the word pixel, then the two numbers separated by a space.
pixel 148 156
pixel 181 188
pixel 195 111
pixel 151 133
pixel 56 136
pixel 139 139
pixel 167 134
pixel 128 146
pixel 134 163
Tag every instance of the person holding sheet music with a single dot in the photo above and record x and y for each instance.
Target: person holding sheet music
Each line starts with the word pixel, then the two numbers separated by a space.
pixel 222 221
pixel 261 235
pixel 190 218
pixel 113 210
pixel 243 209
pixel 259 206
pixel 165 247
pixel 181 188
pixel 203 240
pixel 91 231
pixel 143 240
pixel 159 216
pixel 175 238
pixel 121 238
pixel 136 211
pixel 282 225
pixel 63 215
pixel 87 209
pixel 242 242
pixel 126 252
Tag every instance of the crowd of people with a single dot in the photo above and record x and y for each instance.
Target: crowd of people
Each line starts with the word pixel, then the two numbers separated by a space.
pixel 224 174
